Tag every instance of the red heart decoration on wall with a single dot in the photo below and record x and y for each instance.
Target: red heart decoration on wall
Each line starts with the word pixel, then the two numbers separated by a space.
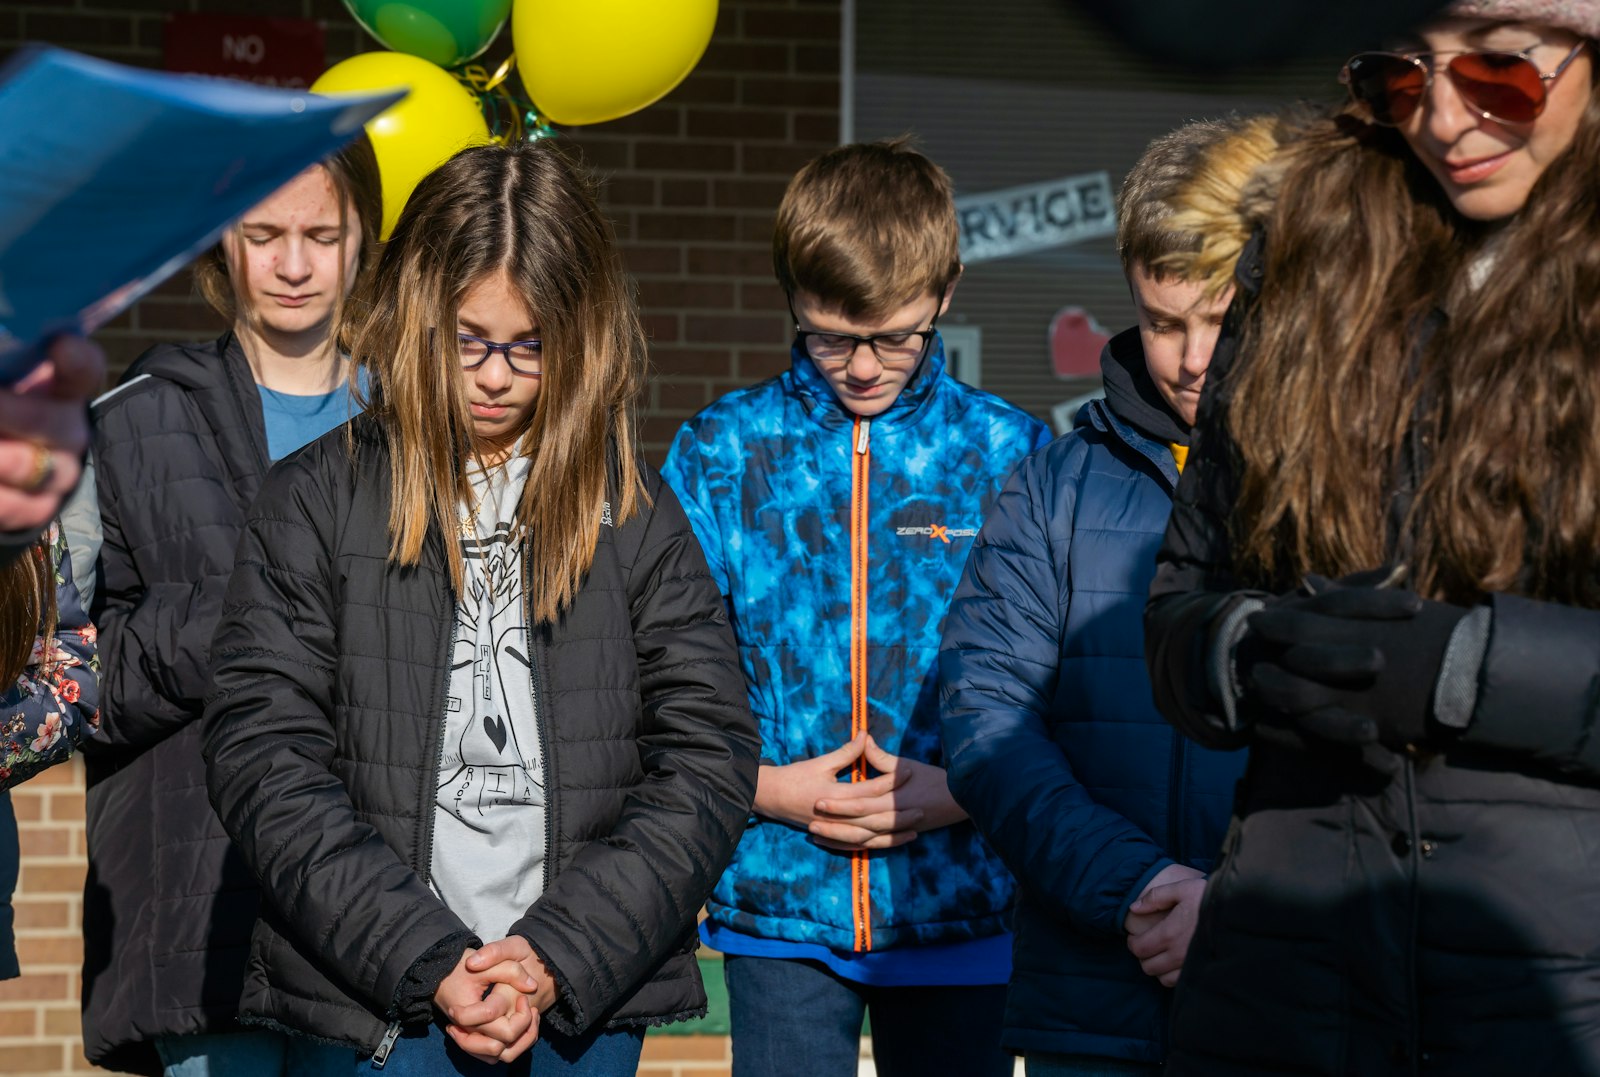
pixel 1076 341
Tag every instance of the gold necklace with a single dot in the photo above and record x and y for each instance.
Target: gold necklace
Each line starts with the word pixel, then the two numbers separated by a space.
pixel 469 522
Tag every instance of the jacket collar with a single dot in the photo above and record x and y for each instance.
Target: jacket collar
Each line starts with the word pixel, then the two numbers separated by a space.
pixel 218 377
pixel 1097 415
pixel 823 405
pixel 241 382
pixel 197 366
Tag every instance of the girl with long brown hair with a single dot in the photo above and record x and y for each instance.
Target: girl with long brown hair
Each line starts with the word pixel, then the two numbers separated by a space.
pixel 474 683
pixel 48 690
pixel 181 447
pixel 1383 567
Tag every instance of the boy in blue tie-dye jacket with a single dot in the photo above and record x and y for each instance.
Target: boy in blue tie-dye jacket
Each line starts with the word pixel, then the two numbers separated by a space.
pixel 836 504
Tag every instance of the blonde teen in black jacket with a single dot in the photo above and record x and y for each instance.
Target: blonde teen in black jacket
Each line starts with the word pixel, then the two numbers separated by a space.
pixel 471 656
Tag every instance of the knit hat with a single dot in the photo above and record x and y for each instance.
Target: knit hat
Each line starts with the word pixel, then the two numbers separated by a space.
pixel 1579 16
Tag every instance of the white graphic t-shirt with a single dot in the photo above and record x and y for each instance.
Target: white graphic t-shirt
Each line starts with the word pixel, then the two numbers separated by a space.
pixel 489 822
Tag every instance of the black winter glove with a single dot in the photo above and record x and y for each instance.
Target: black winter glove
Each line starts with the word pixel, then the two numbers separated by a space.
pixel 1349 661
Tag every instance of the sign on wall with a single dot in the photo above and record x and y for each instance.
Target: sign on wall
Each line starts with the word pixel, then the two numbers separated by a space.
pixel 1017 220
pixel 272 52
pixel 963 353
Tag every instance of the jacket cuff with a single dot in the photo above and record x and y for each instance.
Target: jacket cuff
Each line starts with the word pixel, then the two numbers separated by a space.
pixel 1161 864
pixel 751 819
pixel 566 1016
pixel 1455 693
pixel 1222 675
pixel 413 998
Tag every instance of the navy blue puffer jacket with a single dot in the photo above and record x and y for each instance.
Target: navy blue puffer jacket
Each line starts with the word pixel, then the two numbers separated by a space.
pixel 1054 744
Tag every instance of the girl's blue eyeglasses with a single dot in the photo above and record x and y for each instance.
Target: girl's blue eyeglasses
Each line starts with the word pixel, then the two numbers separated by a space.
pixel 522 356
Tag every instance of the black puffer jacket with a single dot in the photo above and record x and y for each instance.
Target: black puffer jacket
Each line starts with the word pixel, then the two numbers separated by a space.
pixel 323 746
pixel 180 451
pixel 1379 912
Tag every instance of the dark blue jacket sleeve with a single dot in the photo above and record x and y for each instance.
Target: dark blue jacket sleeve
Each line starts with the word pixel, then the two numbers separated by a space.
pixel 998 665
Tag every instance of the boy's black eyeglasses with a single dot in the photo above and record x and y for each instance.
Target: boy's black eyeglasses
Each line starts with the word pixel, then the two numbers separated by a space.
pixel 522 356
pixel 1499 85
pixel 890 348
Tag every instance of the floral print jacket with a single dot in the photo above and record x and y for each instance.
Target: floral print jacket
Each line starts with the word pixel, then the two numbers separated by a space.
pixel 54 704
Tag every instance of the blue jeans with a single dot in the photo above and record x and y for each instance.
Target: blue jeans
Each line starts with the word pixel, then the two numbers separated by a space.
pixel 250 1053
pixel 1087 1066
pixel 426 1051
pixel 792 1017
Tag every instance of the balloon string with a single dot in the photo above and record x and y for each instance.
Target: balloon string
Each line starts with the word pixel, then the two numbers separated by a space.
pixel 511 117
pixel 502 72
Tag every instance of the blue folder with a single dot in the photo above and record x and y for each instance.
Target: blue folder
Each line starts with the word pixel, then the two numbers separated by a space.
pixel 113 178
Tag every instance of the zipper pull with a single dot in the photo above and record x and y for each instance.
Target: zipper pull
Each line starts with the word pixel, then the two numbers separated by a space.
pixel 863 435
pixel 385 1045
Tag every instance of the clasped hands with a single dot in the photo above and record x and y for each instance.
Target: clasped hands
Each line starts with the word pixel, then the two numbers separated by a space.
pixel 493 998
pixel 907 798
pixel 1161 921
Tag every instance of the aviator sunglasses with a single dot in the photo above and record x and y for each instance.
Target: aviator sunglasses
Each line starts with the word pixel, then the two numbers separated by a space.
pixel 1504 86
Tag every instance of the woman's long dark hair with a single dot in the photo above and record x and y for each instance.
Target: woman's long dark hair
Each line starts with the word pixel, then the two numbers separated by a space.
pixel 28 602
pixel 1361 247
pixel 529 212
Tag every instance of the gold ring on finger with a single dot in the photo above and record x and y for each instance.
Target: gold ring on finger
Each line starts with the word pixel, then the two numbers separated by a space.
pixel 44 469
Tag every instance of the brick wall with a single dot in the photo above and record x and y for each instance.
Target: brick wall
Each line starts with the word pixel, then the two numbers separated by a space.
pixel 39 1011
pixel 692 184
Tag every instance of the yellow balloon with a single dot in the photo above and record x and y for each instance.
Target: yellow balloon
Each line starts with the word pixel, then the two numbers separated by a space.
pixel 588 61
pixel 437 119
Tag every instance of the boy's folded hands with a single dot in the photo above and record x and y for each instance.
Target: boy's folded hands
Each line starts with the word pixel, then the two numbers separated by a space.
pixel 904 799
pixel 1161 922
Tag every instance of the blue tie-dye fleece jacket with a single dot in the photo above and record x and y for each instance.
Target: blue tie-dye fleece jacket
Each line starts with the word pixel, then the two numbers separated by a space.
pixel 839 543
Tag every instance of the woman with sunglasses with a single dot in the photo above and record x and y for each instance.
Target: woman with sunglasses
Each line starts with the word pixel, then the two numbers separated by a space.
pixel 476 647
pixel 1382 570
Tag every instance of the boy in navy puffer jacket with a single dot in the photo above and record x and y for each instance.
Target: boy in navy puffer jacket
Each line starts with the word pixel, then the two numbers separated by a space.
pixel 1105 815
pixel 836 504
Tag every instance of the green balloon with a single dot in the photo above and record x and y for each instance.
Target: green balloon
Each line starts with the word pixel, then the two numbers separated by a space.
pixel 443 32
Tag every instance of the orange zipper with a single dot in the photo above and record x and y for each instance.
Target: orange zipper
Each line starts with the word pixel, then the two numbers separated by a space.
pixel 860 880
